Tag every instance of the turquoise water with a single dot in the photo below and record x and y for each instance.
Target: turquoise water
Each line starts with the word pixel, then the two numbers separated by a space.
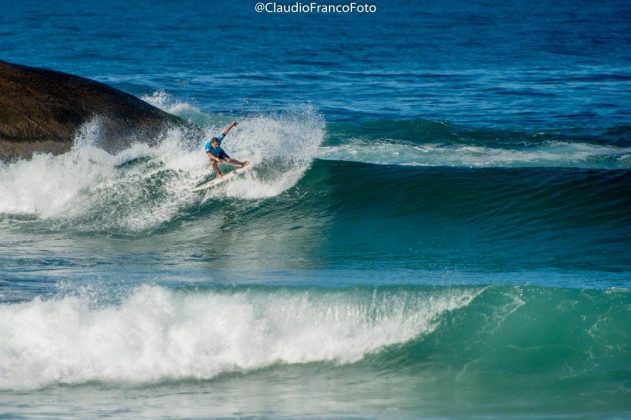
pixel 437 224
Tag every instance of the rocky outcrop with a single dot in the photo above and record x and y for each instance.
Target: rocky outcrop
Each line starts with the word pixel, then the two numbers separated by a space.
pixel 41 111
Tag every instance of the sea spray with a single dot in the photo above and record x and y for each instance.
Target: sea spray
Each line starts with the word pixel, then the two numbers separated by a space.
pixel 142 187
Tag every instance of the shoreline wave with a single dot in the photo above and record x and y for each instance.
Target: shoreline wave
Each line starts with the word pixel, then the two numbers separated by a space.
pixel 155 333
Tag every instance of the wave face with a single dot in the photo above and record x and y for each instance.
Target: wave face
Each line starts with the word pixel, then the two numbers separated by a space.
pixel 508 216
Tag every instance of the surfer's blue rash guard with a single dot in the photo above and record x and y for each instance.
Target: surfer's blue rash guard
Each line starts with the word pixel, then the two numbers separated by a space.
pixel 217 152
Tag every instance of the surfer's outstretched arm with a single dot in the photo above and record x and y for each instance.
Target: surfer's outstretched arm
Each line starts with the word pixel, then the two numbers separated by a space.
pixel 229 127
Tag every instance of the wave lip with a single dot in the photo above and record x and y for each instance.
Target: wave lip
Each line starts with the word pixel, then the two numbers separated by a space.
pixel 156 334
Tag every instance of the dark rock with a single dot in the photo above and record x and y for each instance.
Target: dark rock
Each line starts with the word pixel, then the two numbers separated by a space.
pixel 42 110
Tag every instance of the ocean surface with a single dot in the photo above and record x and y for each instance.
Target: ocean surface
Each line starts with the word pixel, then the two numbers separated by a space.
pixel 438 222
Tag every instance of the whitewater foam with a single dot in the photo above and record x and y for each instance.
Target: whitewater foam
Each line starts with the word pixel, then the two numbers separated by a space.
pixel 143 186
pixel 158 334
pixel 547 154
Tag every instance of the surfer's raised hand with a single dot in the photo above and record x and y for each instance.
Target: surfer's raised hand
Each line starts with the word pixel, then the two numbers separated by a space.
pixel 230 127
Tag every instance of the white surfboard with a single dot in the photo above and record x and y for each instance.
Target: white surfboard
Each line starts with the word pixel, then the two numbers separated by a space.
pixel 227 177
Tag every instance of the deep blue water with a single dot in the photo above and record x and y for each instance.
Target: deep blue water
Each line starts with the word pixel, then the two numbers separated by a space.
pixel 438 222
pixel 525 65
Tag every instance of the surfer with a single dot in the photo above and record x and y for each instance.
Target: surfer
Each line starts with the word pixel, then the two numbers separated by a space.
pixel 217 154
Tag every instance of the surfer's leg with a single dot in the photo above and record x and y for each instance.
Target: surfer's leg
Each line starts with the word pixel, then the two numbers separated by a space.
pixel 216 168
pixel 236 162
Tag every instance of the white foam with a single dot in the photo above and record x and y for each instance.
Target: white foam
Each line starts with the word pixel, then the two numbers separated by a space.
pixel 46 183
pixel 92 189
pixel 157 334
pixel 549 154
